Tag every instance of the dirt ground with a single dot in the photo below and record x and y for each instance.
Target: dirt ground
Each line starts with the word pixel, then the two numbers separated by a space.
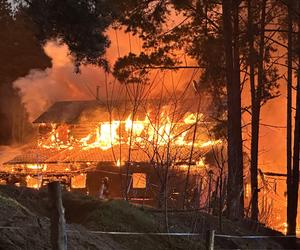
pixel 27 211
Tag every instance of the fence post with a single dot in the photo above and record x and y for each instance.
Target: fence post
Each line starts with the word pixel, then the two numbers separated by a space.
pixel 57 217
pixel 210 239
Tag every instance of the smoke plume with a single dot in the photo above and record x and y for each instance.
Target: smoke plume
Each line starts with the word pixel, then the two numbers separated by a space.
pixel 40 89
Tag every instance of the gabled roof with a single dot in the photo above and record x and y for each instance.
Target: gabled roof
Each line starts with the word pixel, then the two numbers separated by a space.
pixel 72 112
pixel 66 111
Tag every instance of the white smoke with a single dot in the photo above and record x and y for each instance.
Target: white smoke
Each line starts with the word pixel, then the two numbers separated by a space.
pixel 40 89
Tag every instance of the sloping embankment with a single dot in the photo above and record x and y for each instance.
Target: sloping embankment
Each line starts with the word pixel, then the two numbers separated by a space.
pixel 27 211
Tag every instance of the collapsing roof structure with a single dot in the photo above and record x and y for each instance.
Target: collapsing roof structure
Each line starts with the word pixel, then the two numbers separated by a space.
pixel 81 142
pixel 76 119
pixel 74 112
pixel 79 155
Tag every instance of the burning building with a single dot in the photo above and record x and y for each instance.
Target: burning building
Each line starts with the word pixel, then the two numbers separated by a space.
pixel 138 147
pixel 271 200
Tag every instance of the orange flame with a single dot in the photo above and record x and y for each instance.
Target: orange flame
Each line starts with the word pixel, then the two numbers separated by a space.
pixel 159 133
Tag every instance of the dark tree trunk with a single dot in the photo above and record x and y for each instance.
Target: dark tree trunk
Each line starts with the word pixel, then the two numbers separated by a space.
pixel 235 152
pixel 293 196
pixel 239 193
pixel 289 114
pixel 254 160
pixel 166 183
pixel 254 118
pixel 292 218
pixel 220 200
pixel 256 98
pixel 57 217
pixel 209 194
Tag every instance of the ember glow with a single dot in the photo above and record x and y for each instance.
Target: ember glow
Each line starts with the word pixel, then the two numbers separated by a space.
pixel 36 166
pixel 33 182
pixel 78 181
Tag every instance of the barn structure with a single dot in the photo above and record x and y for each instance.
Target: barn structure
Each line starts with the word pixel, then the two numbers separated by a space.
pixel 138 147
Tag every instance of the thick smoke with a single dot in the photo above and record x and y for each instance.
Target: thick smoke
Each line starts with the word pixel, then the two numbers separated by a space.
pixel 40 89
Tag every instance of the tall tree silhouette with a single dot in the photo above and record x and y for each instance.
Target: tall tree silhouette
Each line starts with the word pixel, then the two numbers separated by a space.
pixel 20 52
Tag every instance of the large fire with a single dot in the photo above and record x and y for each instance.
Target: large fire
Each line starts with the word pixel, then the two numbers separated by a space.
pixel 158 137
pixel 143 133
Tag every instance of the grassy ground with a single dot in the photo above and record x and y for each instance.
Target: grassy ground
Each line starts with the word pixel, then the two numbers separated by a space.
pixel 25 207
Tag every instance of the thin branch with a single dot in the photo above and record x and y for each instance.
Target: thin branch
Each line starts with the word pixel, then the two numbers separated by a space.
pixel 173 67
